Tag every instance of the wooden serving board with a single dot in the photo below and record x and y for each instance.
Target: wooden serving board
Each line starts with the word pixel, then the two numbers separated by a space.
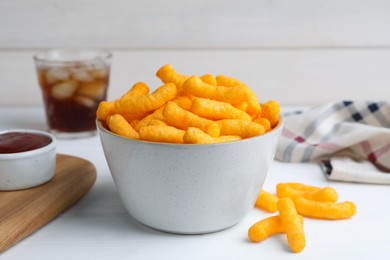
pixel 23 212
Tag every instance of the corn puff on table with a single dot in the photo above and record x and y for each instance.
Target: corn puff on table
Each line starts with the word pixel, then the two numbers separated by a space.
pixel 98 226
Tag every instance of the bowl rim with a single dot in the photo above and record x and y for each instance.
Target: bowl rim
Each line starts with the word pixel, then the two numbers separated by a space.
pixel 26 154
pixel 274 130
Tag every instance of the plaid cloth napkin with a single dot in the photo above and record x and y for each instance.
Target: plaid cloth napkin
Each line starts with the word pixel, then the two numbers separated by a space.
pixel 350 140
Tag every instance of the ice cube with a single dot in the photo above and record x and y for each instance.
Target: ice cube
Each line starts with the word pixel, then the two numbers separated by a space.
pixel 64 89
pixel 54 75
pixel 101 73
pixel 82 75
pixel 94 90
pixel 85 101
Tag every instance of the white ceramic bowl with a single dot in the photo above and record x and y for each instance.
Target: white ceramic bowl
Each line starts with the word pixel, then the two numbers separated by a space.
pixel 27 169
pixel 189 189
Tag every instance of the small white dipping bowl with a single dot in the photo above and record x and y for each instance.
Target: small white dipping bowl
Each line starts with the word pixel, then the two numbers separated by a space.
pixel 23 170
pixel 189 188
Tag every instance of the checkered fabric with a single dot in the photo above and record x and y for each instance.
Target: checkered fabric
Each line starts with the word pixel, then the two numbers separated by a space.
pixel 358 130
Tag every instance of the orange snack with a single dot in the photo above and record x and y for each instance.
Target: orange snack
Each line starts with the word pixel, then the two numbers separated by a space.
pixel 183 119
pixel 241 128
pixel 264 122
pixel 161 133
pixel 155 121
pixel 184 102
pixel 194 135
pixel 254 107
pixel 325 210
pixel 209 79
pixel 118 125
pixel 271 111
pixel 143 122
pixel 168 74
pixel 196 87
pixel 226 81
pixel 265 228
pixel 158 113
pixel 138 89
pixel 294 190
pixel 267 201
pixel 217 110
pixel 293 226
pixel 326 194
pixel 107 108
pixel 300 186
pixel 242 106
pixel 148 120
pixel 147 103
pixel 104 110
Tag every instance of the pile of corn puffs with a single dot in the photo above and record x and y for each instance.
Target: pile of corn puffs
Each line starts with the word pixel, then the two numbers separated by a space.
pixel 189 109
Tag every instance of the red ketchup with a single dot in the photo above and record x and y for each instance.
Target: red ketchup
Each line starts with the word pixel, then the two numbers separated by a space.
pixel 16 142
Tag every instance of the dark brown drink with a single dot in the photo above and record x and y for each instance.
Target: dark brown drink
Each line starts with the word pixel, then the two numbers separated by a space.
pixel 72 91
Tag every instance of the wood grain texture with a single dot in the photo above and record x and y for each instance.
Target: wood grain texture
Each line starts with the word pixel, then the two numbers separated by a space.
pixel 285 50
pixel 293 77
pixel 23 212
pixel 129 24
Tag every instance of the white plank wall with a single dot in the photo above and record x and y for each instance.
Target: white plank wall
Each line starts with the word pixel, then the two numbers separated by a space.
pixel 299 52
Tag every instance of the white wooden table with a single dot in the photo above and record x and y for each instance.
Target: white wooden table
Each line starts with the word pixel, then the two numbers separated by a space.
pixel 98 227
